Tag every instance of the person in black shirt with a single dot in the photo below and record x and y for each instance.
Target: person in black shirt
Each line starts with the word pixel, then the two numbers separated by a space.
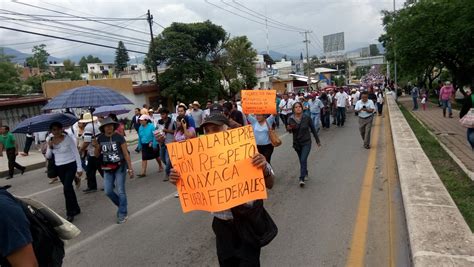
pixel 301 126
pixel 16 240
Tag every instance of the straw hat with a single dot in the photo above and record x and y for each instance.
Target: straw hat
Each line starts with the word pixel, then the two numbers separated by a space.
pixel 87 117
pixel 196 103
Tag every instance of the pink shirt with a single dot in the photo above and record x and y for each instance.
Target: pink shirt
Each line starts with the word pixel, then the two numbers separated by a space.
pixel 446 92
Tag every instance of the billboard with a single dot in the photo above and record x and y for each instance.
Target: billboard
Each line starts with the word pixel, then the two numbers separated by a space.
pixel 333 42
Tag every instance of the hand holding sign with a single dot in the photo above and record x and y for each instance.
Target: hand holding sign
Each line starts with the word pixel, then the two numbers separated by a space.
pixel 259 101
pixel 217 171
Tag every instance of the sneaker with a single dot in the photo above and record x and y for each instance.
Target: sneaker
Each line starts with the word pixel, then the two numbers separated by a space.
pixel 53 180
pixel 302 183
pixel 176 195
pixel 89 190
pixel 122 220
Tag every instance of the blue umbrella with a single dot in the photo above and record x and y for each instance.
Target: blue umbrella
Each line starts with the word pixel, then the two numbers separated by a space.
pixel 42 122
pixel 87 97
pixel 106 110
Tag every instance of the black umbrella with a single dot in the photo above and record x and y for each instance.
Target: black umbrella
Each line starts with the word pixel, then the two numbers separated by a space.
pixel 42 122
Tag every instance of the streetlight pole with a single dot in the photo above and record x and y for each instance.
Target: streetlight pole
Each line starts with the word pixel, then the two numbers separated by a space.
pixel 395 57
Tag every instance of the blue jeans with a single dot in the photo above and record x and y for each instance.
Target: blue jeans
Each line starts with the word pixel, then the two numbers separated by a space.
pixel 315 117
pixel 447 104
pixel 117 180
pixel 470 136
pixel 340 116
pixel 303 153
pixel 415 102
pixel 165 158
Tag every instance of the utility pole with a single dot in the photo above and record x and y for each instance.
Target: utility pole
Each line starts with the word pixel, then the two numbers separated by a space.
pixel 306 41
pixel 155 65
pixel 268 43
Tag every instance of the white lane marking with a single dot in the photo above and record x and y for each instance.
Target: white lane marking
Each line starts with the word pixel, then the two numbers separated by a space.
pixel 110 228
pixel 60 186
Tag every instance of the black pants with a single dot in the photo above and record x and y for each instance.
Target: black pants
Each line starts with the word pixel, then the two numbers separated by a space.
pixel 67 173
pixel 11 156
pixel 266 150
pixel 284 118
pixel 231 251
pixel 28 143
pixel 93 165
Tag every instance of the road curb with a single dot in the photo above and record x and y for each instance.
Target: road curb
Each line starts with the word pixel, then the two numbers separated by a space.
pixel 438 234
pixel 32 167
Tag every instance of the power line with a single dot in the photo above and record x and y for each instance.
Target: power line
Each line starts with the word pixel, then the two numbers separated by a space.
pixel 266 17
pixel 64 13
pixel 68 31
pixel 154 22
pixel 250 19
pixel 68 39
pixel 73 20
pixel 81 27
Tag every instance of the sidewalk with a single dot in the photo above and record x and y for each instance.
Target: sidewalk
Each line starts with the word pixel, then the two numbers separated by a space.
pixel 449 132
pixel 35 159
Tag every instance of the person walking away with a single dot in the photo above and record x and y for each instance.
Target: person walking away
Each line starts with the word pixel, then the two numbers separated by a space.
pixel 148 144
pixel 423 101
pixel 197 115
pixel 301 126
pixel 261 129
pixel 232 249
pixel 341 104
pixel 445 95
pixel 111 147
pixel 9 144
pixel 415 93
pixel 68 165
pixel 325 111
pixel 365 108
pixel 315 108
pixel 468 106
pixel 380 101
pixel 91 131
pixel 285 108
pixel 166 131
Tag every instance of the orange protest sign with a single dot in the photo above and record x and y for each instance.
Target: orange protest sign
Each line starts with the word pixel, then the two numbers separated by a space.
pixel 216 170
pixel 258 101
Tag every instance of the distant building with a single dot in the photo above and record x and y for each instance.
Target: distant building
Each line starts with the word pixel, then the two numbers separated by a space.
pixel 100 70
pixel 262 74
pixel 138 73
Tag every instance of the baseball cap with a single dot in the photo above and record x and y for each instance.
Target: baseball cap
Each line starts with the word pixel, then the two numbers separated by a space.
pixel 216 108
pixel 216 118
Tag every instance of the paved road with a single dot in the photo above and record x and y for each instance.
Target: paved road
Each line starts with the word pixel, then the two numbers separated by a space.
pixel 319 225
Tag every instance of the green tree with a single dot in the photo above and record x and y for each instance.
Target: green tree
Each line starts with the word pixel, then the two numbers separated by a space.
pixel 39 58
pixel 427 36
pixel 89 59
pixel 4 57
pixel 9 78
pixel 189 51
pixel 237 64
pixel 69 65
pixel 121 57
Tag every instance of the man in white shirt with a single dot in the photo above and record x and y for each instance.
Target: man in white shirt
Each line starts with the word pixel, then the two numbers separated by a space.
pixel 342 102
pixel 91 131
pixel 365 109
pixel 286 108
pixel 197 114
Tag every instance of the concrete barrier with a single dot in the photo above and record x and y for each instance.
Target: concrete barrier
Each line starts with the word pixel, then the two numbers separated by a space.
pixel 439 235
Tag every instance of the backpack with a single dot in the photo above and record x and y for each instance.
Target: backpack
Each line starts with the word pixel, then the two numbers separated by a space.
pixel 48 247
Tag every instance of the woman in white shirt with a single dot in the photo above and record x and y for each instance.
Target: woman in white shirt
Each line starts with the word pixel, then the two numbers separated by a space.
pixel 63 150
pixel 380 101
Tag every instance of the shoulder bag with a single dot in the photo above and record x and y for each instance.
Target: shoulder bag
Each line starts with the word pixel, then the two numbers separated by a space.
pixel 468 119
pixel 254 224
pixel 274 139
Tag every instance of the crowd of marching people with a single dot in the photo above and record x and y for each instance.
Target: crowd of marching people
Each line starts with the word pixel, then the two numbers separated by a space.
pixel 98 145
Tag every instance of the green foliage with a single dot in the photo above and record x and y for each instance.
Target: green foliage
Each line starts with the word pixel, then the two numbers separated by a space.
pixel 9 78
pixel 4 57
pixel 430 35
pixel 39 58
pixel 89 59
pixel 121 57
pixel 69 65
pixel 361 71
pixel 374 50
pixel 189 50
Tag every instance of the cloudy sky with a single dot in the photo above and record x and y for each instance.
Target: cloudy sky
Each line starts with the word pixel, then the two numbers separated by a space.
pixel 360 20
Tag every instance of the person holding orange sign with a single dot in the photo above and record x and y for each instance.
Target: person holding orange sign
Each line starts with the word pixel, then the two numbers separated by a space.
pixel 233 248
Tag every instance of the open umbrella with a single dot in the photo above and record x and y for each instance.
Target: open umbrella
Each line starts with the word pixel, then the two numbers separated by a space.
pixel 87 97
pixel 42 122
pixel 106 110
